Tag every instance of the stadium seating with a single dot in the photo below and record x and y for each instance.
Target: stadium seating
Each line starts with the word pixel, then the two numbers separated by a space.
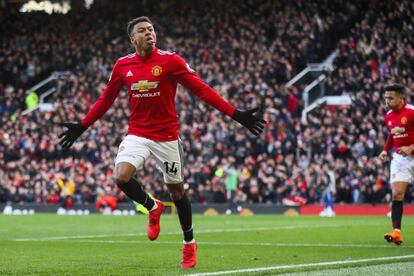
pixel 247 52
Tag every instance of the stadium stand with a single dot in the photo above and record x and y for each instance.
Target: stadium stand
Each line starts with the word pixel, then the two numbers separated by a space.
pixel 247 52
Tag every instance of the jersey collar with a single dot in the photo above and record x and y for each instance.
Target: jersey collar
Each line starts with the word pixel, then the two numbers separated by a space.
pixel 141 58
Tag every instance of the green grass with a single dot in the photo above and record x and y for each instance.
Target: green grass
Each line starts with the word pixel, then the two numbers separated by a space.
pixel 110 245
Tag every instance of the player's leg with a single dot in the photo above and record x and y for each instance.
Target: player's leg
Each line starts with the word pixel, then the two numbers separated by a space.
pixel 183 206
pixel 132 153
pixel 169 156
pixel 230 201
pixel 401 177
pixel 131 187
pixel 123 177
pixel 398 193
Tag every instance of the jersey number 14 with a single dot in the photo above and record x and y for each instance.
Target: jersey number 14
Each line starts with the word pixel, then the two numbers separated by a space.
pixel 171 168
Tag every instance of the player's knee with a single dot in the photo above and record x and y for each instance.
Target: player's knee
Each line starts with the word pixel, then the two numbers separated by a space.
pixel 121 180
pixel 123 173
pixel 398 195
pixel 176 194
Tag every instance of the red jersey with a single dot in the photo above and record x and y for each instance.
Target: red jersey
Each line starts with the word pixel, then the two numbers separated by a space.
pixel 152 83
pixel 400 125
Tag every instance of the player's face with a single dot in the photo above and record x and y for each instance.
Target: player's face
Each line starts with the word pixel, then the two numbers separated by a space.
pixel 143 36
pixel 393 100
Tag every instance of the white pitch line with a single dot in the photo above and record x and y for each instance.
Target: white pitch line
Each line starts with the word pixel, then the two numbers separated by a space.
pixel 257 269
pixel 76 237
pixel 265 244
pixel 206 231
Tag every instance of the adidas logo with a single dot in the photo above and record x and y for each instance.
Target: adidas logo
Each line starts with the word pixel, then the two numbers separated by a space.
pixel 129 74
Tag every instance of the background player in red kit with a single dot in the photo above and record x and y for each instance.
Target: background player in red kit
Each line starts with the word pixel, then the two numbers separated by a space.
pixel 400 123
pixel 151 76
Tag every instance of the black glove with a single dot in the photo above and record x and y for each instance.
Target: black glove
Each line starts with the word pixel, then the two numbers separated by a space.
pixel 69 136
pixel 249 121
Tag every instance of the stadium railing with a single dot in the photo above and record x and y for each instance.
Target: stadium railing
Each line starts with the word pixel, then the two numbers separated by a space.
pixel 45 88
pixel 313 76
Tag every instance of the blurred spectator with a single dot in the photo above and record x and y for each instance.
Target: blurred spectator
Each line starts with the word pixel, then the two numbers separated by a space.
pixel 67 189
pixel 232 177
pixel 105 202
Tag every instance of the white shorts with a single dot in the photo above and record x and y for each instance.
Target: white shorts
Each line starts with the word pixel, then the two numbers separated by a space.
pixel 168 155
pixel 402 168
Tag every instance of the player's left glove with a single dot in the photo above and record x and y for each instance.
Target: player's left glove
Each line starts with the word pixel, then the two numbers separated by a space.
pixel 69 136
pixel 249 121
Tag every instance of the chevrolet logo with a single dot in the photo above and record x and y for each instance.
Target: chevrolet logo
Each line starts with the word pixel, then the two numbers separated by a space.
pixel 144 85
pixel 398 130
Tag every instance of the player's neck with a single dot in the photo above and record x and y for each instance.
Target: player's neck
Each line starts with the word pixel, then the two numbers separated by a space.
pixel 143 52
pixel 398 108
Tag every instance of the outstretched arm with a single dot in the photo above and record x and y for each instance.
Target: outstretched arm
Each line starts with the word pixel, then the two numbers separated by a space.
pixel 104 102
pixel 187 77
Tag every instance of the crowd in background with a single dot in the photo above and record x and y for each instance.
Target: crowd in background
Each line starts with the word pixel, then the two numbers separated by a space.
pixel 247 51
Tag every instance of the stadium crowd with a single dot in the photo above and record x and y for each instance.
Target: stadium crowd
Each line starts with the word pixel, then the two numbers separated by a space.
pixel 247 52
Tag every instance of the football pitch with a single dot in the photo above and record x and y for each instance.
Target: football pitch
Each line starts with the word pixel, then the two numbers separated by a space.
pixel 46 244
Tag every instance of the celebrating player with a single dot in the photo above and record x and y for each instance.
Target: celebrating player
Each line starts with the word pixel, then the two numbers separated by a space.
pixel 151 76
pixel 400 123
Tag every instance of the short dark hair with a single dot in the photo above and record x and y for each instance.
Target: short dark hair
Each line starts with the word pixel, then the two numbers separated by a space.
pixel 134 22
pixel 397 87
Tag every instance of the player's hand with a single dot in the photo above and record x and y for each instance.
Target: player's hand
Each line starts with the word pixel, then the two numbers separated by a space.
pixel 74 130
pixel 249 121
pixel 406 150
pixel 383 156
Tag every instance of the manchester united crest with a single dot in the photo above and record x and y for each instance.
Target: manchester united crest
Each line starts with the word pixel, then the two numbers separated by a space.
pixel 156 71
pixel 404 120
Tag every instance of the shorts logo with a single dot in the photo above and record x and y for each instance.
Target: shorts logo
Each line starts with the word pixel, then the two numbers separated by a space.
pixel 156 70
pixel 404 120
pixel 121 149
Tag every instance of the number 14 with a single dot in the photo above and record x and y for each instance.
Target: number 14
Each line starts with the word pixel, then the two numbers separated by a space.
pixel 171 169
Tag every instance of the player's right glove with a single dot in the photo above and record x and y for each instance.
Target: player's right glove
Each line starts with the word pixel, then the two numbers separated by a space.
pixel 249 121
pixel 69 136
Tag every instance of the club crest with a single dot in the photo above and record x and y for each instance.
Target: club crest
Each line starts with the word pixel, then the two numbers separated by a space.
pixel 156 71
